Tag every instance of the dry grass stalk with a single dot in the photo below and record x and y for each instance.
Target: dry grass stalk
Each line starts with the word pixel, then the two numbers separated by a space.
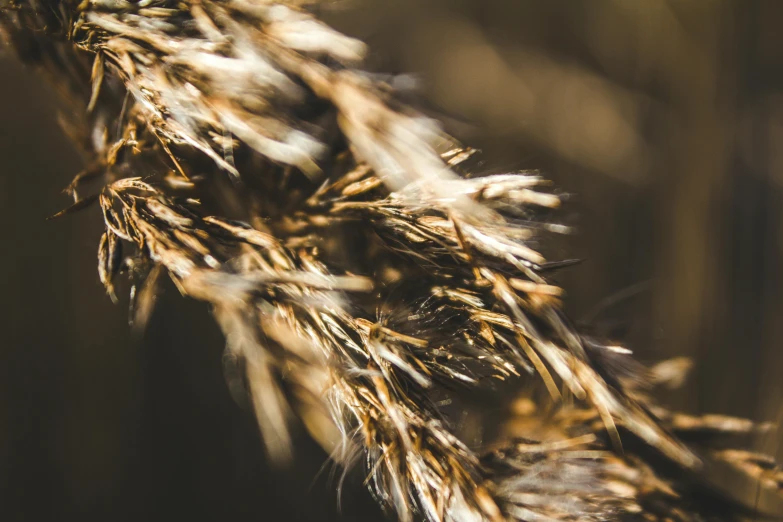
pixel 361 275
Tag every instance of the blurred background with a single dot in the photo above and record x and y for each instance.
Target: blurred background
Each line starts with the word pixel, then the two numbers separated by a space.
pixel 664 122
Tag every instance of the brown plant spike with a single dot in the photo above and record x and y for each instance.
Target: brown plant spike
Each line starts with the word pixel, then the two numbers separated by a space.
pixel 362 274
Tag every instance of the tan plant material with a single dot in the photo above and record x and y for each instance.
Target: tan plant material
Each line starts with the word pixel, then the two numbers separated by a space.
pixel 363 275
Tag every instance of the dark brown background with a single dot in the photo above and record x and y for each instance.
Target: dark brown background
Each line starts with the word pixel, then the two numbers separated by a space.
pixel 664 119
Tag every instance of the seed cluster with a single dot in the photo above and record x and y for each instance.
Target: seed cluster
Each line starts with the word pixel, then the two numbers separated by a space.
pixel 367 281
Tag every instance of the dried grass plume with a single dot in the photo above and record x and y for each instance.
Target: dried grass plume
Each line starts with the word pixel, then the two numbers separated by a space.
pixel 368 281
